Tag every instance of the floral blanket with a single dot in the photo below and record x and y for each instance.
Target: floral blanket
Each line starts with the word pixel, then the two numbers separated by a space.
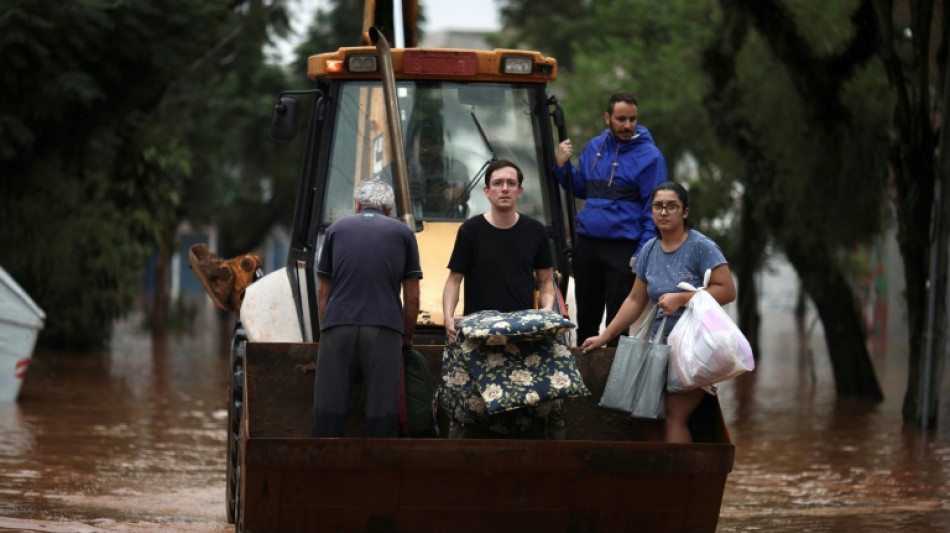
pixel 505 369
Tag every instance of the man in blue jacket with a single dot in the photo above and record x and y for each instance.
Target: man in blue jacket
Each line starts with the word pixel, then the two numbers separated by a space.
pixel 617 171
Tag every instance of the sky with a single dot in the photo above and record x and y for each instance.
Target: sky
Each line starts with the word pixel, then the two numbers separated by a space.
pixel 440 15
pixel 461 14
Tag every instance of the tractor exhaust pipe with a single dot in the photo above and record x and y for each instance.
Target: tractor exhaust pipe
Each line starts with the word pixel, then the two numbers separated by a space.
pixel 396 144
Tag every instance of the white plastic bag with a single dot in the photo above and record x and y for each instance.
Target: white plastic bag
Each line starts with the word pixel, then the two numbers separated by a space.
pixel 706 346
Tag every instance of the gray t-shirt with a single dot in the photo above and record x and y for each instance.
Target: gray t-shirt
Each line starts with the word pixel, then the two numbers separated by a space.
pixel 662 271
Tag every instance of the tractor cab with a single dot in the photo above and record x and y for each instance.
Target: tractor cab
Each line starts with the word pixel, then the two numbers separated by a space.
pixel 458 111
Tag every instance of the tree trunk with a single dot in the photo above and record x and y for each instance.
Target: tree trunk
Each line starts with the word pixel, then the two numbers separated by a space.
pixel 914 186
pixel 941 288
pixel 753 236
pixel 160 297
pixel 940 285
pixel 840 316
pixel 819 84
pixel 912 165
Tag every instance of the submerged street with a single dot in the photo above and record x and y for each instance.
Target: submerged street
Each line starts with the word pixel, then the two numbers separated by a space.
pixel 133 439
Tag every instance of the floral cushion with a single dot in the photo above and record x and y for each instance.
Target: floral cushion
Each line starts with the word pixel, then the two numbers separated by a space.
pixel 505 387
pixel 496 328
pixel 524 373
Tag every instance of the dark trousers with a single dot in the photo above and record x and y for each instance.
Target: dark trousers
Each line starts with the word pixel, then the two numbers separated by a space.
pixel 348 354
pixel 602 278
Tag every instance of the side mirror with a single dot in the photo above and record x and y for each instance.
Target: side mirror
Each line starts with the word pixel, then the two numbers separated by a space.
pixel 283 122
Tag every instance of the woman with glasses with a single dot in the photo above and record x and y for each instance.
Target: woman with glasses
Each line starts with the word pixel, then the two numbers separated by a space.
pixel 679 253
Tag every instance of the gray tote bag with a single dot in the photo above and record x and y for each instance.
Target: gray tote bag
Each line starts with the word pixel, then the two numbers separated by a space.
pixel 637 380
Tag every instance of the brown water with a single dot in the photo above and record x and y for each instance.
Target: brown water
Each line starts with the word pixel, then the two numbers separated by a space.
pixel 133 439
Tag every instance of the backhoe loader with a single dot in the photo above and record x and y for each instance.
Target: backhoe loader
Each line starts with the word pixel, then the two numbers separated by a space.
pixel 379 112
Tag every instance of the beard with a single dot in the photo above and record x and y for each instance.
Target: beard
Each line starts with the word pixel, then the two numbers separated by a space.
pixel 623 134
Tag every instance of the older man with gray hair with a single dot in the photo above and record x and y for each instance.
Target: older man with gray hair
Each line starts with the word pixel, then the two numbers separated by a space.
pixel 366 259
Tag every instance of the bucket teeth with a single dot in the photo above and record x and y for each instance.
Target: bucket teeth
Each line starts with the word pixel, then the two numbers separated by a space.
pixel 224 279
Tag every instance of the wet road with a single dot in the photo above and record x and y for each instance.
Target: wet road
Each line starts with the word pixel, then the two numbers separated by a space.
pixel 133 439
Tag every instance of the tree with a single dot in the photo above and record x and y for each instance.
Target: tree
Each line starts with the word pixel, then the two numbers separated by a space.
pixel 834 156
pixel 341 24
pixel 552 27
pixel 331 29
pixel 912 46
pixel 902 37
pixel 744 124
pixel 93 151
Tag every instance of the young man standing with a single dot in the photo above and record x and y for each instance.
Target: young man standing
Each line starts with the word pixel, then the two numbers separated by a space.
pixel 616 173
pixel 366 259
pixel 499 255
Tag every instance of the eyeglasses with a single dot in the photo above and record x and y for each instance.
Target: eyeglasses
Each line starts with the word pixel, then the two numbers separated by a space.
pixel 501 183
pixel 670 208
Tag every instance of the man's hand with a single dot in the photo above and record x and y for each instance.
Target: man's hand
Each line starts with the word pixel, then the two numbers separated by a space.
pixel 564 152
pixel 450 331
pixel 450 300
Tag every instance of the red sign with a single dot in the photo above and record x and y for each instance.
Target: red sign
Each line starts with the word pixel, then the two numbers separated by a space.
pixel 441 63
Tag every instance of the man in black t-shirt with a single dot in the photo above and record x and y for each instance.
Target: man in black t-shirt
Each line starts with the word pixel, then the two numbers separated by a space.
pixel 500 255
pixel 365 260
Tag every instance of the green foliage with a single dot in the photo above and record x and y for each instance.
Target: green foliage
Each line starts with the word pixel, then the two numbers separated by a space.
pixel 831 172
pixel 248 181
pixel 550 27
pixel 113 127
pixel 333 28
pixel 69 244
pixel 653 50
pixel 791 139
pixel 656 51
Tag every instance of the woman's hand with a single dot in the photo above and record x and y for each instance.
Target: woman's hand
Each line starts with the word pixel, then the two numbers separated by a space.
pixel 672 301
pixel 592 343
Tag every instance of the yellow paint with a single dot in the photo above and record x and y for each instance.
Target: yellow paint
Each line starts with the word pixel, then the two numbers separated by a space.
pixel 435 248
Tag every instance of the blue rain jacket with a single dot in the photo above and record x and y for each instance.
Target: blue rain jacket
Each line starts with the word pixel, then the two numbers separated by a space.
pixel 616 185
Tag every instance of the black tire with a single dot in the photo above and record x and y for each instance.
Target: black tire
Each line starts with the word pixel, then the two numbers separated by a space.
pixel 235 412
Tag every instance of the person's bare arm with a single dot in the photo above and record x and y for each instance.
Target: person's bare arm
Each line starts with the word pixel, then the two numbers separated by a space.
pixel 545 277
pixel 450 300
pixel 410 308
pixel 323 296
pixel 721 285
pixel 630 310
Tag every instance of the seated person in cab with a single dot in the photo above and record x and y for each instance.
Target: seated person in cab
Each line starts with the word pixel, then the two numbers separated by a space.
pixel 436 181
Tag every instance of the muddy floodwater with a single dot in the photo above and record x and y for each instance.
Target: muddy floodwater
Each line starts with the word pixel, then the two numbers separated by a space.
pixel 133 439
